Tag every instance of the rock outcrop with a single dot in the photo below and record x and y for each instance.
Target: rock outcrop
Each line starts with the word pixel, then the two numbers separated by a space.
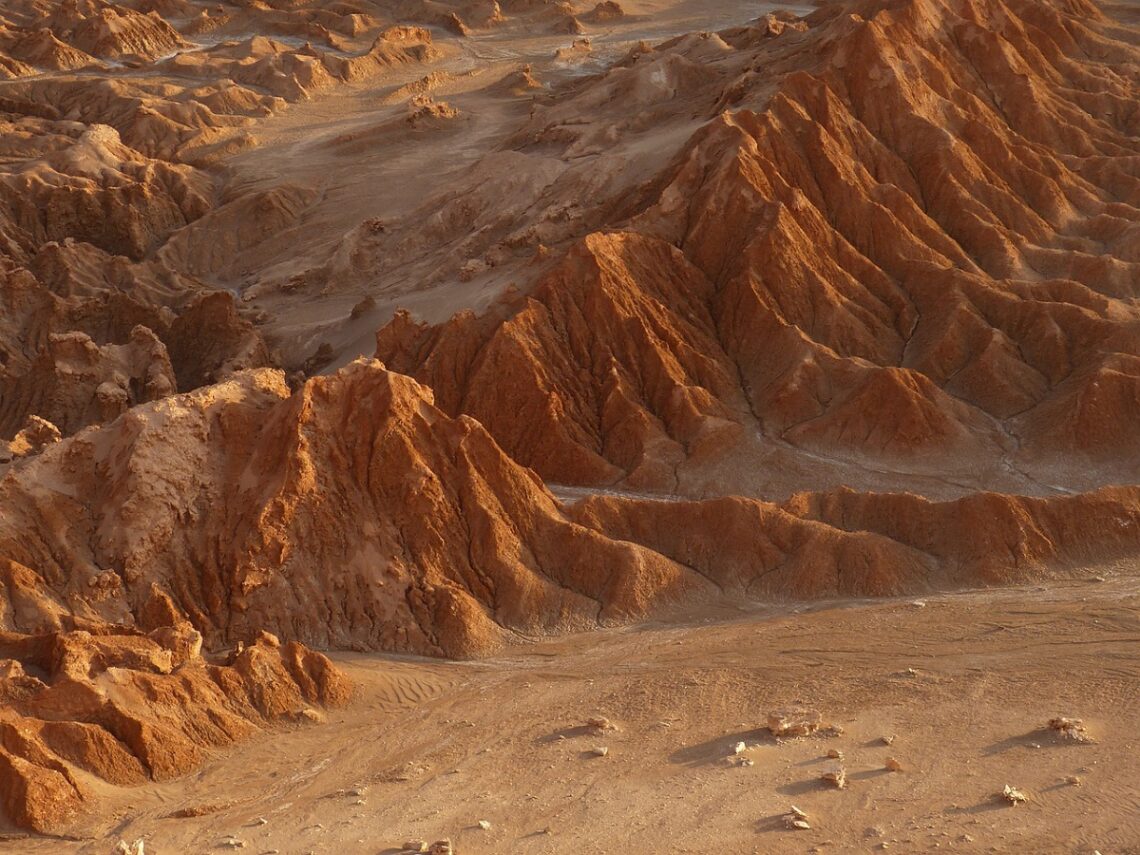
pixel 917 249
pixel 123 706
pixel 357 514
pixel 841 305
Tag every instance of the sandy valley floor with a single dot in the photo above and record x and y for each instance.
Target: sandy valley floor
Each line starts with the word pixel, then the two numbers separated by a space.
pixel 964 683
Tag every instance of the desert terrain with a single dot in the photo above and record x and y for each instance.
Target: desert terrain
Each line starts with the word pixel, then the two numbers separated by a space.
pixel 963 685
pixel 463 420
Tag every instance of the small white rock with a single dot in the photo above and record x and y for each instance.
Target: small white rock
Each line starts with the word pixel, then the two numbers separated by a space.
pixel 1013 795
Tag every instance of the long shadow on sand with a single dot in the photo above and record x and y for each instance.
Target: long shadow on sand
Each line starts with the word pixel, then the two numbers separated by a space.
pixel 716 750
pixel 1042 737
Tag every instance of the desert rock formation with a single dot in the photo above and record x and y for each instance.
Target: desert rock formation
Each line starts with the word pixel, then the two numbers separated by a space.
pixel 831 305
pixel 898 252
pixel 98 702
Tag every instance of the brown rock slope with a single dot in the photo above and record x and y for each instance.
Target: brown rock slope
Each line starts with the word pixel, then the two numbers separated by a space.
pixel 108 113
pixel 908 232
pixel 905 233
pixel 355 513
pixel 111 704
pixel 88 324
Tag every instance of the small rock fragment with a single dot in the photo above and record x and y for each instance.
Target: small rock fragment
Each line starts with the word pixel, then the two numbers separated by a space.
pixel 441 847
pixel 485 825
pixel 834 754
pixel 415 846
pixel 1013 795
pixel 794 722
pixel 600 723
pixel 893 765
pixel 739 748
pixel 888 740
pixel 1073 780
pixel 599 751
pixel 796 818
pixel 835 775
pixel 1070 728
pixel 136 848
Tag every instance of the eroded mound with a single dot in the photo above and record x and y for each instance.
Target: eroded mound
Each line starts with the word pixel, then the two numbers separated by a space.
pixel 737 294
pixel 113 704
pixel 359 515
pixel 916 250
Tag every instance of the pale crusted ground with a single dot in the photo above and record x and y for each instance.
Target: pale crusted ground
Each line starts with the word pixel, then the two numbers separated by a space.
pixel 965 684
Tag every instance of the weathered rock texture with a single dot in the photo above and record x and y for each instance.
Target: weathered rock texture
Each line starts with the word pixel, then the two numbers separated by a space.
pixel 899 235
pixel 357 514
pixel 922 245
pixel 120 705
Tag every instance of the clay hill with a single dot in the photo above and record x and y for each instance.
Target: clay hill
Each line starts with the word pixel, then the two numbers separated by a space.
pixel 327 324
pixel 919 247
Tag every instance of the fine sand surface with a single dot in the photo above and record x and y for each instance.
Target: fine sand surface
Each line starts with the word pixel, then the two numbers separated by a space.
pixel 964 684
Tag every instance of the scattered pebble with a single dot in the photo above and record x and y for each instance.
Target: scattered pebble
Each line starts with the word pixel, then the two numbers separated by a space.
pixel 1013 795
pixel 835 775
pixel 834 754
pixel 485 825
pixel 888 740
pixel 1070 728
pixel 796 818
pixel 794 722
pixel 893 765
pixel 599 751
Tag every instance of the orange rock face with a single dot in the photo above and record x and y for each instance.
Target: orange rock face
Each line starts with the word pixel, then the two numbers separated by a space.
pixel 359 515
pixel 839 306
pixel 919 247
pixel 126 707
pixel 413 530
